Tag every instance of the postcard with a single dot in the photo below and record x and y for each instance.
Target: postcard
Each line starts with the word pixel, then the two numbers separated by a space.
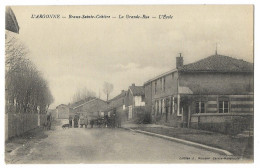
pixel 127 84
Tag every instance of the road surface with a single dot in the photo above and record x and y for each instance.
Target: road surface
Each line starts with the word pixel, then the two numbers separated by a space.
pixel 105 145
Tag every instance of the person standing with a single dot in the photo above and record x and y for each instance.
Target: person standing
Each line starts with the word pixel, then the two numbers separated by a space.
pixel 48 121
pixel 81 120
pixel 92 123
pixel 70 121
pixel 86 122
pixel 76 119
pixel 118 119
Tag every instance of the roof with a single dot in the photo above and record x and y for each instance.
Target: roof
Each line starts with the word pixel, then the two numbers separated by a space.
pixel 115 102
pixel 218 63
pixel 213 63
pixel 137 90
pixel 80 102
pixel 61 105
pixel 11 23
pixel 85 101
pixel 122 94
pixel 161 75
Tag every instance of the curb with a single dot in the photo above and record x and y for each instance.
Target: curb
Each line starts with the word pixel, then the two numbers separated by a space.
pixel 198 145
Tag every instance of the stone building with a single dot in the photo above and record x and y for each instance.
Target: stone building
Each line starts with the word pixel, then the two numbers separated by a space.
pixel 215 93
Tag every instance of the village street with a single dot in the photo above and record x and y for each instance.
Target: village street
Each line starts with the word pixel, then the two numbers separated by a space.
pixel 105 145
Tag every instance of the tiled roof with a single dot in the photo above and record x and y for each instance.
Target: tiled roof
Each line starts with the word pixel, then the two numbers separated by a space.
pixel 81 102
pixel 137 90
pixel 116 101
pixel 122 94
pixel 219 63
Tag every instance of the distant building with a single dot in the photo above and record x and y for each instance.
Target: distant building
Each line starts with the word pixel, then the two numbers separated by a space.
pixel 90 107
pixel 215 93
pixel 117 105
pixel 62 111
pixel 135 101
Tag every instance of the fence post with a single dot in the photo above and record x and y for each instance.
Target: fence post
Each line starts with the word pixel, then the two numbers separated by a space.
pixel 39 118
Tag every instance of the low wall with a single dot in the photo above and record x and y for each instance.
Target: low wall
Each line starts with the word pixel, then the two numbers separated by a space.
pixel 224 123
pixel 17 124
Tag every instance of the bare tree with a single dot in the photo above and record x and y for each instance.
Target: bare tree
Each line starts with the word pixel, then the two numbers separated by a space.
pixel 26 90
pixel 107 89
pixel 83 93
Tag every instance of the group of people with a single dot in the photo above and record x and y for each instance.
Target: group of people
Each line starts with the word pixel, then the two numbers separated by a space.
pixel 80 121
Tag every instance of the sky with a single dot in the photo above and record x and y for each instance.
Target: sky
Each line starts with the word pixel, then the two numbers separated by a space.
pixel 78 53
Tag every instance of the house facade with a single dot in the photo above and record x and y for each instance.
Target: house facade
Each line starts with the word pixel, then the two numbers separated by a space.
pixel 62 111
pixel 215 93
pixel 135 103
pixel 91 107
pixel 117 105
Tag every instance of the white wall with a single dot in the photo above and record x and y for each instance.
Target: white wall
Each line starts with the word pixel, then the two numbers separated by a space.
pixel 138 101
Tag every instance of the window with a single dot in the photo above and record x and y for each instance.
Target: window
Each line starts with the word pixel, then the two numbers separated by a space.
pixel 155 87
pixel 161 83
pixel 200 107
pixel 161 110
pixel 164 84
pixel 163 105
pixel 159 106
pixel 142 98
pixel 173 106
pixel 181 111
pixel 156 107
pixel 223 107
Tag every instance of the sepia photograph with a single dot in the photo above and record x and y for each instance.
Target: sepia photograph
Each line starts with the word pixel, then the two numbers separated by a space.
pixel 129 84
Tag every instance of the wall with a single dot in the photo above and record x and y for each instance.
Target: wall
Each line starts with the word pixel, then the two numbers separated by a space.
pixel 17 124
pixel 129 98
pixel 171 85
pixel 171 90
pixel 63 112
pixel 217 83
pixel 148 99
pixel 225 123
pixel 138 101
pixel 239 118
pixel 93 107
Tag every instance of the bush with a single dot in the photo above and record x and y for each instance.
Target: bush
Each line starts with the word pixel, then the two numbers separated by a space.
pixel 142 116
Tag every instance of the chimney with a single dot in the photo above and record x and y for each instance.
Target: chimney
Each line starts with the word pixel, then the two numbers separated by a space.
pixel 179 61
pixel 133 84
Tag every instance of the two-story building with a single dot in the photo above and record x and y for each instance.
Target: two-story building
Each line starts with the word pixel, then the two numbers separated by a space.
pixel 135 103
pixel 215 93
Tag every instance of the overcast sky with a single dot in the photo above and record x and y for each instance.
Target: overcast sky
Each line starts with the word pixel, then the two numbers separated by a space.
pixel 77 53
